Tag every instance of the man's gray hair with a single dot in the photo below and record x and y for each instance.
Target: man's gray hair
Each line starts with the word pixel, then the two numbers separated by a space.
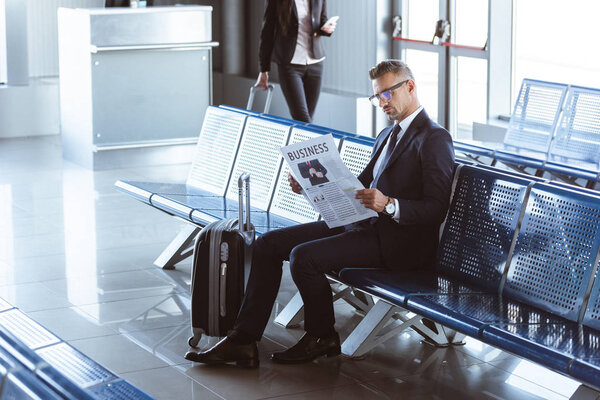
pixel 394 66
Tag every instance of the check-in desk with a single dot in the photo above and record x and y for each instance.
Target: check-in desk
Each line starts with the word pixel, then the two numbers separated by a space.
pixel 134 83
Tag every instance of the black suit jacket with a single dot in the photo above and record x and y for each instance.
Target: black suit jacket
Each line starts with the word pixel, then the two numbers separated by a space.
pixel 318 167
pixel 276 46
pixel 418 174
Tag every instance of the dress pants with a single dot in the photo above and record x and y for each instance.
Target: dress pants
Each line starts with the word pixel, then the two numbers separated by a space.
pixel 301 86
pixel 312 250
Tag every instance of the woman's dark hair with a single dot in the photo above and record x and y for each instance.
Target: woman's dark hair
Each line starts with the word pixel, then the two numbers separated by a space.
pixel 284 14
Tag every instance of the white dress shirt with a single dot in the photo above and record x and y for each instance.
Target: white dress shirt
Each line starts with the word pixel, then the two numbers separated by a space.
pixel 303 54
pixel 404 125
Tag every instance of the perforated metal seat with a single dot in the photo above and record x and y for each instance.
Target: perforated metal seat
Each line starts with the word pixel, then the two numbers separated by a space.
pixel 356 153
pixel 21 384
pixel 73 364
pixel 213 160
pixel 530 129
pixel 576 148
pixel 587 365
pixel 62 384
pixel 18 350
pixel 473 250
pixel 258 155
pixel 471 313
pixel 554 261
pixel 286 203
pixel 120 390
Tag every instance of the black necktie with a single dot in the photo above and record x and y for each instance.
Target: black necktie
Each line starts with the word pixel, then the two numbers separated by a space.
pixel 392 140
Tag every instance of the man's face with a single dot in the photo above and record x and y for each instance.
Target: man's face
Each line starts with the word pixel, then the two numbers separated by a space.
pixel 398 106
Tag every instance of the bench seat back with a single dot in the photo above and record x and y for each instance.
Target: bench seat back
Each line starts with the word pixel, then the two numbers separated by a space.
pixel 480 226
pixel 356 153
pixel 285 202
pixel 592 314
pixel 535 115
pixel 259 156
pixel 556 250
pixel 578 134
pixel 216 150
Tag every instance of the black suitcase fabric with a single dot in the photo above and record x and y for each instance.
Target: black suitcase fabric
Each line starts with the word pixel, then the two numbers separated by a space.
pixel 220 254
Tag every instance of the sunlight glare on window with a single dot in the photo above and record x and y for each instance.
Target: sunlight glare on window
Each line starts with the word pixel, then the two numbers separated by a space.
pixel 555 41
pixel 471 26
pixel 422 17
pixel 424 65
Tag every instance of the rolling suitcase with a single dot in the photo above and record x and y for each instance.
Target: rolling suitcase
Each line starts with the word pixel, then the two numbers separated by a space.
pixel 221 253
pixel 268 98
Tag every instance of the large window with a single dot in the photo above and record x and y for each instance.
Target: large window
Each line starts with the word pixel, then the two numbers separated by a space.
pixel 556 41
pixel 452 71
pixel 425 68
pixel 475 75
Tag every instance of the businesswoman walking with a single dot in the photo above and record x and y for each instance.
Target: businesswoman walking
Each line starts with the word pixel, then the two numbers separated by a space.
pixel 291 37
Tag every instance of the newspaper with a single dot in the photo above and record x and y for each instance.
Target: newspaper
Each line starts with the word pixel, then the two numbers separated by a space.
pixel 327 183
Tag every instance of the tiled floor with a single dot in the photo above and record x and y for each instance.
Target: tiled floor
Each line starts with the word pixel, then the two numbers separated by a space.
pixel 77 256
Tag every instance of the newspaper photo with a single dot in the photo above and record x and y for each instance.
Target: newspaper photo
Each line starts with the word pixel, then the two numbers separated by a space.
pixel 326 182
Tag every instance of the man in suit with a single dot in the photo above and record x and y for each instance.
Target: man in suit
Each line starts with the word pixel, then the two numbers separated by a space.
pixel 407 181
pixel 314 171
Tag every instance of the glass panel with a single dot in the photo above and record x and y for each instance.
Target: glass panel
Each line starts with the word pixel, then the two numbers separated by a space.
pixel 422 15
pixel 554 42
pixel 471 94
pixel 471 26
pixel 424 65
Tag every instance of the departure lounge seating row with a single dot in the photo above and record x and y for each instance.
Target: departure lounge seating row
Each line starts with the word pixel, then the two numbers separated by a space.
pixel 36 364
pixel 554 128
pixel 516 267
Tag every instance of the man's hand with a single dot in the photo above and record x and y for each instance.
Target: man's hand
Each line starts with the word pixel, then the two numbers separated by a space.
pixel 329 28
pixel 263 80
pixel 372 198
pixel 296 188
pixel 312 172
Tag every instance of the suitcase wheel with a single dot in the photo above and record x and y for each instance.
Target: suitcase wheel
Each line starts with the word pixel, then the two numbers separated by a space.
pixel 194 340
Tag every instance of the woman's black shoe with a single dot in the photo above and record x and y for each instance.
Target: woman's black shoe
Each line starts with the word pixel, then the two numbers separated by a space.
pixel 308 348
pixel 226 351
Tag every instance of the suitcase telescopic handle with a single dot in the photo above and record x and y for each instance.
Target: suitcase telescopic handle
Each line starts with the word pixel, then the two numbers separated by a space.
pixel 244 183
pixel 253 90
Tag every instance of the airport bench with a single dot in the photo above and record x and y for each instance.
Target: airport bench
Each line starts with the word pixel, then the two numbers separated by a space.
pixel 36 364
pixel 233 141
pixel 516 268
pixel 530 129
pixel 575 151
pixel 554 128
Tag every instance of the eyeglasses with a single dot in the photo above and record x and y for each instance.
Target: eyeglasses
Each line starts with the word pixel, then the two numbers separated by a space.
pixel 386 95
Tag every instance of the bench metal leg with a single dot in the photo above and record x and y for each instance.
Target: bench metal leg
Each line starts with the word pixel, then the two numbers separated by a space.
pixel 179 249
pixel 437 335
pixel 293 313
pixel 585 393
pixel 375 328
pixel 381 324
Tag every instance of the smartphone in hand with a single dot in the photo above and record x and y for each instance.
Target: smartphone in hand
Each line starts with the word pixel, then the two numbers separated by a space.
pixel 331 21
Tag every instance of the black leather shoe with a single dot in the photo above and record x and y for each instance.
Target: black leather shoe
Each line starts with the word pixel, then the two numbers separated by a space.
pixel 226 351
pixel 308 348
